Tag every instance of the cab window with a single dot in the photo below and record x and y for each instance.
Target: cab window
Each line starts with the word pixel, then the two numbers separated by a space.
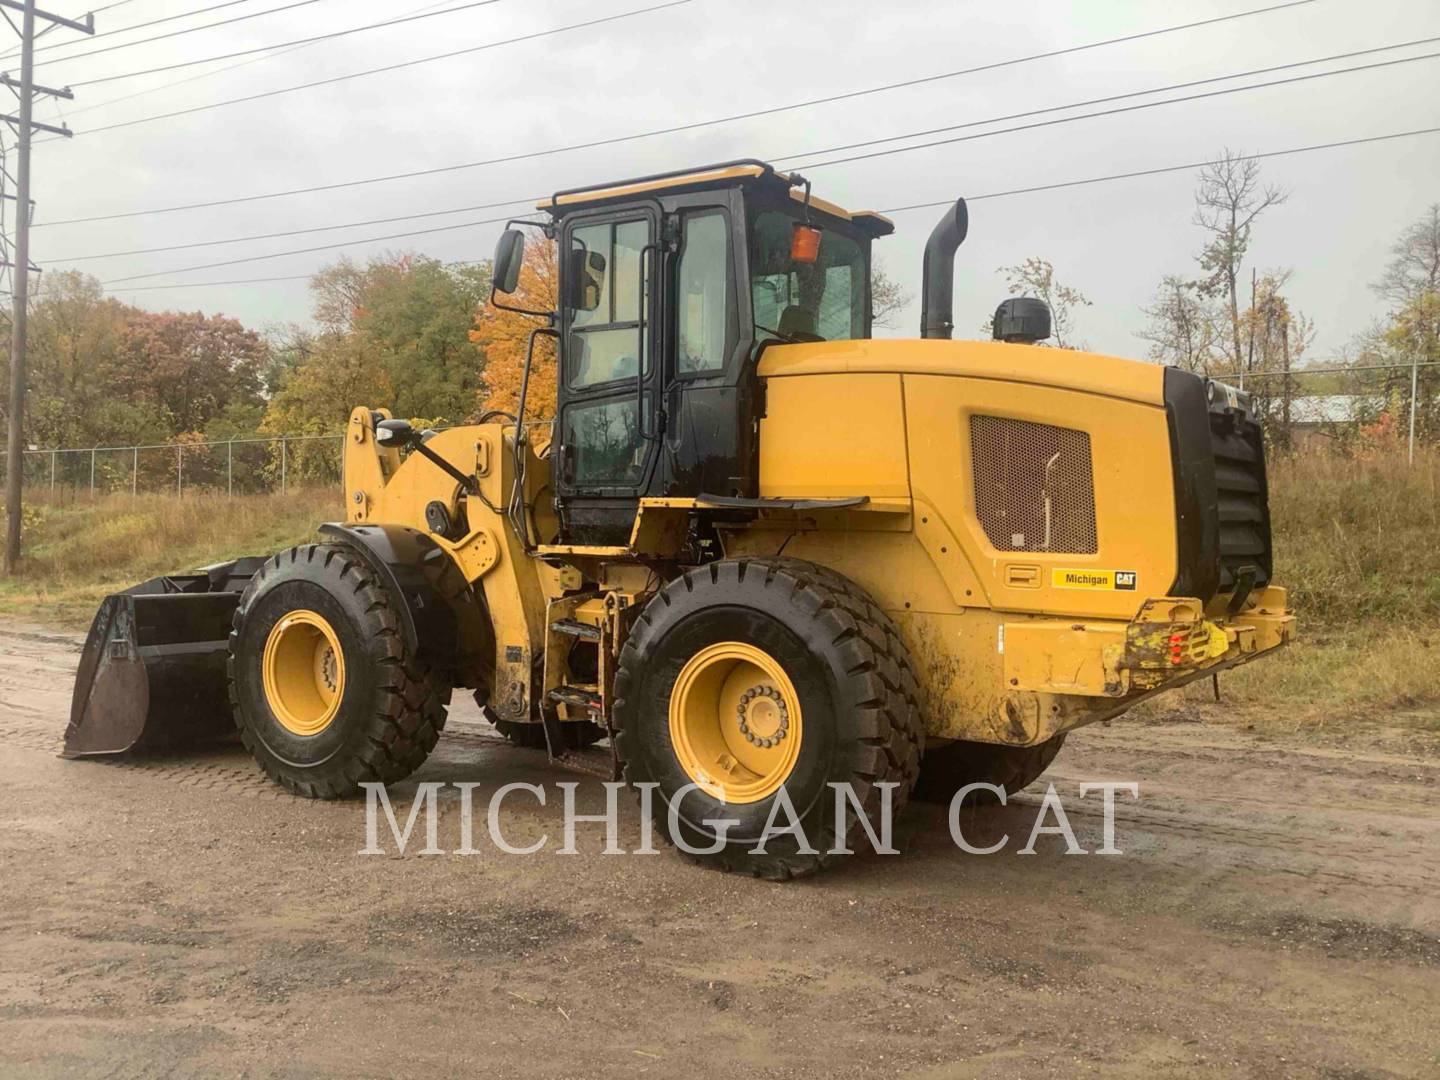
pixel 820 301
pixel 604 305
pixel 702 294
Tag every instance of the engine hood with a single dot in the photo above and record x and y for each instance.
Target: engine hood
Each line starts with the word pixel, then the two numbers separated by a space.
pixel 1130 380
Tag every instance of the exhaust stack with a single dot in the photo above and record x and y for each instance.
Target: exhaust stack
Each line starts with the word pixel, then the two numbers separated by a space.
pixel 937 282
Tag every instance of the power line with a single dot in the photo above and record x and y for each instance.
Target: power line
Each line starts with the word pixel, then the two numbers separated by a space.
pixel 187 30
pixel 218 71
pixel 1187 166
pixel 682 127
pixel 870 142
pixel 306 251
pixel 298 232
pixel 285 44
pixel 1088 116
pixel 390 67
pixel 134 26
pixel 205 284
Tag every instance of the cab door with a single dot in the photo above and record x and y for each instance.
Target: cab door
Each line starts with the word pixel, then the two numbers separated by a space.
pixel 711 390
pixel 608 372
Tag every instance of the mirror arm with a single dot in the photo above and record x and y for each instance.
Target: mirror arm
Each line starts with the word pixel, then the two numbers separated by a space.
pixel 468 483
pixel 516 508
pixel 549 316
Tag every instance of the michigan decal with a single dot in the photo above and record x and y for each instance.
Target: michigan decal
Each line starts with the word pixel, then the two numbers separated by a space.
pixel 1123 580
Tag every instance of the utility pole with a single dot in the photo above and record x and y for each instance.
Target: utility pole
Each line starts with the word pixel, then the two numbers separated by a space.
pixel 24 125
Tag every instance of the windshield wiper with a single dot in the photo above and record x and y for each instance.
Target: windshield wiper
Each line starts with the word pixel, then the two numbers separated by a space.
pixel 776 333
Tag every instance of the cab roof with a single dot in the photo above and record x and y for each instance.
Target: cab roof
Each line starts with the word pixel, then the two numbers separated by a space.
pixel 747 171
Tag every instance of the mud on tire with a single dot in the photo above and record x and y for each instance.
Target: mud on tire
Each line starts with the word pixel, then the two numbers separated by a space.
pixel 392 707
pixel 851 673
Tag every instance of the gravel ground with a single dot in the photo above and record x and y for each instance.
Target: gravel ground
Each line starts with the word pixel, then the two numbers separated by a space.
pixel 1276 912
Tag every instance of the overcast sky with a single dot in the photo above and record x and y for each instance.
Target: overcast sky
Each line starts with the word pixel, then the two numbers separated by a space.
pixel 711 58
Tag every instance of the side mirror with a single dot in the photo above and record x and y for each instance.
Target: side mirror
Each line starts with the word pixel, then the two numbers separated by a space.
pixel 509 254
pixel 395 433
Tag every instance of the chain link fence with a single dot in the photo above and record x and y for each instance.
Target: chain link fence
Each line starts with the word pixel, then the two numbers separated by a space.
pixel 248 466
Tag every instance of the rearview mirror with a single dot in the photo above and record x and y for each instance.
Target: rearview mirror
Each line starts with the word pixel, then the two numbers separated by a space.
pixel 395 433
pixel 509 254
pixel 586 278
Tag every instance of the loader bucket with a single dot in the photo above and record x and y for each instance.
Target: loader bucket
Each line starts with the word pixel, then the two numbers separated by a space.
pixel 152 672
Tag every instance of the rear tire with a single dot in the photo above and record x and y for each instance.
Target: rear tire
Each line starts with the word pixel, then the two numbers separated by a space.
pixel 949 767
pixel 830 675
pixel 387 713
pixel 578 734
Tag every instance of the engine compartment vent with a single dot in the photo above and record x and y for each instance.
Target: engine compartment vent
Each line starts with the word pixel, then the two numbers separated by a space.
pixel 1034 486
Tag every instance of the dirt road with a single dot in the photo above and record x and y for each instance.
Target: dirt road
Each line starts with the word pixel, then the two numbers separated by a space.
pixel 1276 912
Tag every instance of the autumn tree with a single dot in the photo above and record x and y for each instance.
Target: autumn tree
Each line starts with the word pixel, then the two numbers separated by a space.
pixel 1036 277
pixel 1275 337
pixel 1228 200
pixel 193 369
pixel 503 336
pixel 76 380
pixel 105 373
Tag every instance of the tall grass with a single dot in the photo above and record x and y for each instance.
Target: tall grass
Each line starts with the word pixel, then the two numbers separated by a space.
pixel 1357 544
pixel 1357 538
pixel 78 551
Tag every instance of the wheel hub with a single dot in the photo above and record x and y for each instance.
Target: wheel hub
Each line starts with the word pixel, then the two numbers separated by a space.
pixel 303 672
pixel 735 722
pixel 764 716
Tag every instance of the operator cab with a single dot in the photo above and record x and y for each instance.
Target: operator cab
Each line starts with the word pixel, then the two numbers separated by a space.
pixel 670 286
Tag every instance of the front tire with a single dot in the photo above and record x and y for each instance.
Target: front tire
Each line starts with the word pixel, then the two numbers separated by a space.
pixel 746 681
pixel 326 693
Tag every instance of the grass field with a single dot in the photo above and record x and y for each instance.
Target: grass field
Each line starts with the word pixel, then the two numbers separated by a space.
pixel 1357 541
pixel 79 550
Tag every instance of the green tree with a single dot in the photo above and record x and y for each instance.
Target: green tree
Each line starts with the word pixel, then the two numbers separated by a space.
pixel 409 316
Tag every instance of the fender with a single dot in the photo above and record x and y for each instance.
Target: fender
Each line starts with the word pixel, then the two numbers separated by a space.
pixel 398 554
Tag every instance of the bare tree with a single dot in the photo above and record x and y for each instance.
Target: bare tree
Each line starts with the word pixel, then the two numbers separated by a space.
pixel 1184 330
pixel 1415 268
pixel 887 297
pixel 1229 198
pixel 1036 277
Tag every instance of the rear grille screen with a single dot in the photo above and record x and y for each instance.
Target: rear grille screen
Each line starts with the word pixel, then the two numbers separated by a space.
pixel 1034 485
pixel 1240 490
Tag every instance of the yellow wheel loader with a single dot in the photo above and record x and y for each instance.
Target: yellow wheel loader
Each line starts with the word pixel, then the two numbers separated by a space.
pixel 757 553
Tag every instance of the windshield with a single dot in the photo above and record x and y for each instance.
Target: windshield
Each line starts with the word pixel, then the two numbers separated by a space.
pixel 820 301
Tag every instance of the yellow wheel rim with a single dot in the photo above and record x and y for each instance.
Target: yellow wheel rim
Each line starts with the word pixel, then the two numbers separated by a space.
pixel 735 722
pixel 304 672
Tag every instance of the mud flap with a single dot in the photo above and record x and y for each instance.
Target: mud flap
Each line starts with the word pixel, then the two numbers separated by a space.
pixel 152 672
